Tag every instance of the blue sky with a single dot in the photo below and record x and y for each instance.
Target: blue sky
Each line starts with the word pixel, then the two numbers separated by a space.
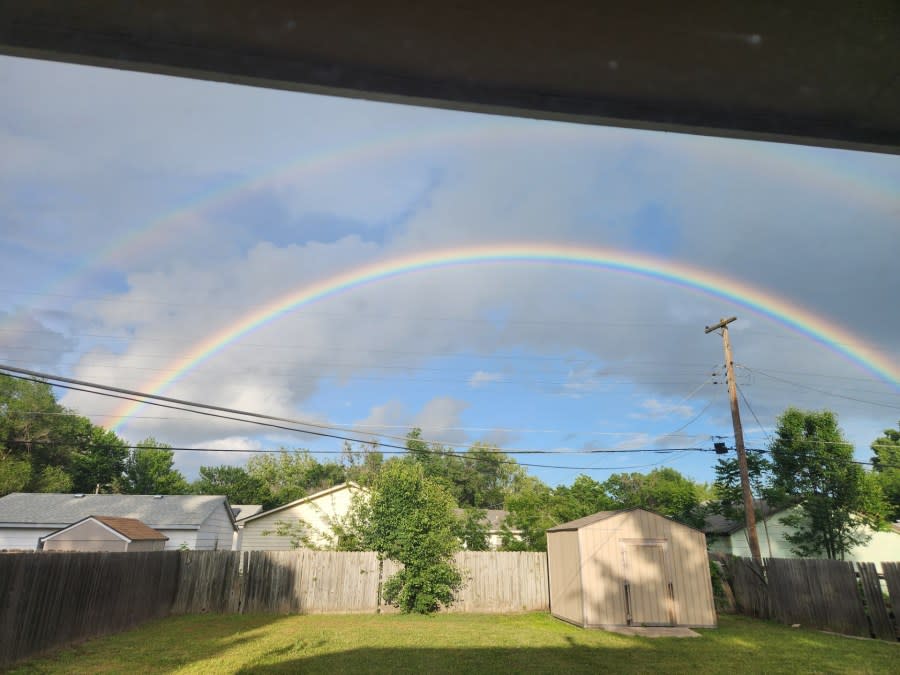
pixel 534 357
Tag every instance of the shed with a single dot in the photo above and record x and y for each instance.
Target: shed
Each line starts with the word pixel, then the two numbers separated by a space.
pixel 105 533
pixel 629 568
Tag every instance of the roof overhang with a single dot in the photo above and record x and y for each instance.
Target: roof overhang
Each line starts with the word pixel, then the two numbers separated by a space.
pixel 823 74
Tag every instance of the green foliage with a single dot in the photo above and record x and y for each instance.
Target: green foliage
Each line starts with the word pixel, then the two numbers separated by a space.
pixel 473 529
pixel 531 513
pixel 45 447
pixel 664 491
pixel 363 464
pixel 288 476
pixel 149 471
pixel 233 482
pixel 411 521
pixel 727 486
pixel 813 467
pixel 481 477
pixel 886 462
pixel 584 497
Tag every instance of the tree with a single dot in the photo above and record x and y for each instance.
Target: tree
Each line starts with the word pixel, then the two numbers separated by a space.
pixel 288 476
pixel 813 468
pixel 45 447
pixel 473 530
pixel 664 491
pixel 584 497
pixel 531 513
pixel 886 463
pixel 149 470
pixel 727 486
pixel 412 522
pixel 233 482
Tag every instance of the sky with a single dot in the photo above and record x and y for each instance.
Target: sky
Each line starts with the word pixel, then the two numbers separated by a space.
pixel 142 216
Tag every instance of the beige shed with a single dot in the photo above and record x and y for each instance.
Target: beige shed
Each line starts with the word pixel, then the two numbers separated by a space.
pixel 629 568
pixel 105 533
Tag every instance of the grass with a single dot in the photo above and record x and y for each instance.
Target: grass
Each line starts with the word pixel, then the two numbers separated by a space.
pixel 457 643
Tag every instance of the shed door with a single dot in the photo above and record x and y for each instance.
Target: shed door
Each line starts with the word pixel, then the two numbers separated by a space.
pixel 648 587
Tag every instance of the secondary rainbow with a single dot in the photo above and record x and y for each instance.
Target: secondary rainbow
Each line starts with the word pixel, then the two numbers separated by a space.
pixel 716 285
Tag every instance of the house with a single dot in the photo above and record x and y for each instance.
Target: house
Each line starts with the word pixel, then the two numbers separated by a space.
pixel 241 511
pixel 317 511
pixel 493 520
pixel 104 533
pixel 201 522
pixel 629 568
pixel 728 536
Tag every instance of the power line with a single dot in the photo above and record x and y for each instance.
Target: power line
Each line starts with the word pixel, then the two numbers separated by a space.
pixel 403 449
pixel 816 389
pixel 753 412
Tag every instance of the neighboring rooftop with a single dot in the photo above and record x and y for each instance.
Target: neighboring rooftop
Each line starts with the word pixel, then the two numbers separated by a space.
pixel 59 510
pixel 245 510
pixel 132 528
pixel 718 524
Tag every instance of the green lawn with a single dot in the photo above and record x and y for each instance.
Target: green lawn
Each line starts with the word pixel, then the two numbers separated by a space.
pixel 457 643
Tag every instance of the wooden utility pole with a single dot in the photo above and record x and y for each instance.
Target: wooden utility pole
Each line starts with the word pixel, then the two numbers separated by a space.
pixel 749 512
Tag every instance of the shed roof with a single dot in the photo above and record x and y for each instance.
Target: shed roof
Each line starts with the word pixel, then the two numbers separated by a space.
pixel 129 528
pixel 603 515
pixel 59 510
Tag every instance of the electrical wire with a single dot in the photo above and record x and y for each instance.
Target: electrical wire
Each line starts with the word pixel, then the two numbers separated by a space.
pixel 816 389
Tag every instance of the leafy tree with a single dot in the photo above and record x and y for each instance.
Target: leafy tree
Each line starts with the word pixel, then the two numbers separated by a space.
pixel 531 513
pixel 813 467
pixel 288 476
pixel 233 482
pixel 584 497
pixel 362 465
pixel 412 522
pixel 727 486
pixel 149 470
pixel 98 460
pixel 473 530
pixel 664 491
pixel 46 447
pixel 886 463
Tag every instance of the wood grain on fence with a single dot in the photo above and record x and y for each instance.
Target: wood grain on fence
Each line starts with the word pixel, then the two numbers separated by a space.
pixel 495 581
pixel 879 618
pixel 49 599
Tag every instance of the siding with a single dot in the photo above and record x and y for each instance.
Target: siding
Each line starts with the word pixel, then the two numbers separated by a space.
pixel 566 599
pixel 22 538
pixel 216 533
pixel 86 536
pixel 177 538
pixel 883 547
pixel 316 513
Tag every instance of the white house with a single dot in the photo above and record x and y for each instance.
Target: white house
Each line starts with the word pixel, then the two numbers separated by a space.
pixel 200 522
pixel 317 511
pixel 727 536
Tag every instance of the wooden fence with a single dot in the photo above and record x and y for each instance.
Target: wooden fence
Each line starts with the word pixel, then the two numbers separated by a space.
pixel 834 595
pixel 50 599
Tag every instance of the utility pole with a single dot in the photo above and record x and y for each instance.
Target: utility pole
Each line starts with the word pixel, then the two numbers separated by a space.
pixel 749 512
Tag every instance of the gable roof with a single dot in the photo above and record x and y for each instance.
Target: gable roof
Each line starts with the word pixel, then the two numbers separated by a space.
pixel 131 529
pixel 242 511
pixel 350 485
pixel 186 512
pixel 604 515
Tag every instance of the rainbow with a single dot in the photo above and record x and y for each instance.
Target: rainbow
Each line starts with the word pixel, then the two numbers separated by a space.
pixel 709 283
pixel 811 167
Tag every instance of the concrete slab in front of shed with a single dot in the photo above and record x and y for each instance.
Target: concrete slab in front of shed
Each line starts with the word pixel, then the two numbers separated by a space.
pixel 654 631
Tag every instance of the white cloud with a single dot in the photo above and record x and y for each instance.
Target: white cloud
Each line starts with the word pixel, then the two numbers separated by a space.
pixel 656 409
pixel 480 378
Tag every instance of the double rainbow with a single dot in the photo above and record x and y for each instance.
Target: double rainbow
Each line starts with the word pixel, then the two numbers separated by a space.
pixel 715 285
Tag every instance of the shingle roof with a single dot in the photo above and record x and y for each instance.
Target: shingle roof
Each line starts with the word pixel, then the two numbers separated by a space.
pixel 131 528
pixel 587 520
pixel 59 510
pixel 493 518
pixel 245 510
